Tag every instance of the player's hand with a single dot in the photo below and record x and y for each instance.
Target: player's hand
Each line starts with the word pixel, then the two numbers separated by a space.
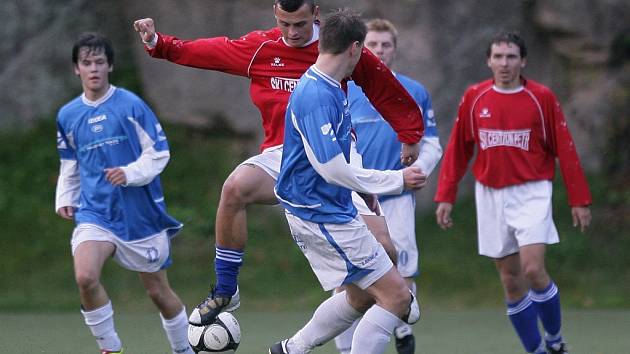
pixel 66 212
pixel 145 28
pixel 409 153
pixel 371 201
pixel 443 215
pixel 581 216
pixel 115 176
pixel 414 178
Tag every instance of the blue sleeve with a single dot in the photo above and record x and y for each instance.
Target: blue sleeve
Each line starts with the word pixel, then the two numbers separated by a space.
pixel 147 120
pixel 65 149
pixel 422 97
pixel 319 132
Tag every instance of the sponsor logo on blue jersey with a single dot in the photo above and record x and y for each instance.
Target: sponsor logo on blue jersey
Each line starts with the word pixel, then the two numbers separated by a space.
pixel 97 119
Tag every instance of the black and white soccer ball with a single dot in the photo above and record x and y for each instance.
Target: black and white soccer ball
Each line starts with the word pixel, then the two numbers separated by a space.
pixel 221 336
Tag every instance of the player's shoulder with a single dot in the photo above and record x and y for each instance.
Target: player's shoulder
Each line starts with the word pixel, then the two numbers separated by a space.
pixel 272 34
pixel 69 109
pixel 538 89
pixel 410 84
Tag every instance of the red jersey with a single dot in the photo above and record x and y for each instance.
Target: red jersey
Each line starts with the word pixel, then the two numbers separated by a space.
pixel 275 68
pixel 518 135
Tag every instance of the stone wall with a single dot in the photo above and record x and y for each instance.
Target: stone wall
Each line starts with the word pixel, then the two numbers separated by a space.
pixel 442 44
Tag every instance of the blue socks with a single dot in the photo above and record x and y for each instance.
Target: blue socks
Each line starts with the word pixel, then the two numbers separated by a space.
pixel 547 305
pixel 525 321
pixel 226 264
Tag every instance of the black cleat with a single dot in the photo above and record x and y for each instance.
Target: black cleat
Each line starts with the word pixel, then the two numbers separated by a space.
pixel 405 341
pixel 561 348
pixel 206 312
pixel 279 348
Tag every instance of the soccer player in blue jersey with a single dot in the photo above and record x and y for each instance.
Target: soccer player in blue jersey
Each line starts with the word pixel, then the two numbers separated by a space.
pixel 380 150
pixel 112 150
pixel 314 187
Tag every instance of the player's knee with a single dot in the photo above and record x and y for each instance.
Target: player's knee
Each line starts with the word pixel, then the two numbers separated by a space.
pixel 535 274
pixel 234 193
pixel 397 300
pixel 86 280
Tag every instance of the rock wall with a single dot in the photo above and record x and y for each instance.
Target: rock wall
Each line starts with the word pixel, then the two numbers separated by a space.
pixel 441 43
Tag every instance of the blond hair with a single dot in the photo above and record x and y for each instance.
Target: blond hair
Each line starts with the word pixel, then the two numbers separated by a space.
pixel 382 25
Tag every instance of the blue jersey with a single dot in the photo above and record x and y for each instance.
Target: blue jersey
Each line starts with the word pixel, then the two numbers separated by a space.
pixel 377 142
pixel 317 125
pixel 113 132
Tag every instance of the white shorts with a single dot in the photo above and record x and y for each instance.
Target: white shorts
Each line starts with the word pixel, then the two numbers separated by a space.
pixel 148 255
pixel 400 214
pixel 512 217
pixel 270 160
pixel 340 253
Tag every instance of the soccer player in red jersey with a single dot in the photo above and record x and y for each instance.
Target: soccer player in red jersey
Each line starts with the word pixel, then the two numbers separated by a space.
pixel 273 60
pixel 518 130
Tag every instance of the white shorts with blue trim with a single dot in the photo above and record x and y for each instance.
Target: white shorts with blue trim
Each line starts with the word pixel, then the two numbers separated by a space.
pixel 400 214
pixel 147 255
pixel 512 217
pixel 340 253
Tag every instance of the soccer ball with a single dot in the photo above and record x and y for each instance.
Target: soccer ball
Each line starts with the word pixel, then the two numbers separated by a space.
pixel 221 336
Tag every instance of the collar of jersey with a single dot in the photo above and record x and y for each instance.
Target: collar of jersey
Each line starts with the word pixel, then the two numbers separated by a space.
pixel 313 39
pixel 326 78
pixel 107 95
pixel 508 91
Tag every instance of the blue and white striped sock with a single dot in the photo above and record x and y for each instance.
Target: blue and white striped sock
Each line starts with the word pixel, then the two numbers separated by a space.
pixel 226 265
pixel 547 304
pixel 525 321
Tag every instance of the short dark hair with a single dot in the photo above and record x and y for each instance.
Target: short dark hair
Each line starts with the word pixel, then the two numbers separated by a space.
pixel 294 5
pixel 508 37
pixel 339 30
pixel 95 42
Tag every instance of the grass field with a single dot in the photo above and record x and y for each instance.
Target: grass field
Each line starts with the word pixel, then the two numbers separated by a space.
pixel 440 331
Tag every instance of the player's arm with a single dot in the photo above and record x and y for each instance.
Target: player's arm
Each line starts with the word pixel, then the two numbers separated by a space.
pixel 394 103
pixel 68 183
pixel 155 153
pixel 569 161
pixel 232 56
pixel 430 147
pixel 459 151
pixel 327 159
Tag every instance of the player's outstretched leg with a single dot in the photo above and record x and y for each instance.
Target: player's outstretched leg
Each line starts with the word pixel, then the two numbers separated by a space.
pixel 248 184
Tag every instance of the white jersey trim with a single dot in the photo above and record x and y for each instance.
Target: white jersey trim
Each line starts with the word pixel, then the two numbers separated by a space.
pixel 108 94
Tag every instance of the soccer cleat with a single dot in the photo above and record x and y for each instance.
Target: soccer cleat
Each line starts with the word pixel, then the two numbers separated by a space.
pixel 558 348
pixel 279 348
pixel 104 351
pixel 206 312
pixel 405 341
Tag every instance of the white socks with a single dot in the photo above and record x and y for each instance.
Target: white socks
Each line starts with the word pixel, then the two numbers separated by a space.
pixel 374 331
pixel 176 330
pixel 101 324
pixel 331 317
pixel 343 342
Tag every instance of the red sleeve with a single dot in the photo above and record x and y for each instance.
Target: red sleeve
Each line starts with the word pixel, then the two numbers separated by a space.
pixel 563 147
pixel 459 151
pixel 232 56
pixel 389 97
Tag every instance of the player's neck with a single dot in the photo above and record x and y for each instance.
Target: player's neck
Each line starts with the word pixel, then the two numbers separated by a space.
pixel 332 65
pixel 95 95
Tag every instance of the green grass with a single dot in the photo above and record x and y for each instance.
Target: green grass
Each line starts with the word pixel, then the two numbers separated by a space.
pixel 592 269
pixel 440 331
